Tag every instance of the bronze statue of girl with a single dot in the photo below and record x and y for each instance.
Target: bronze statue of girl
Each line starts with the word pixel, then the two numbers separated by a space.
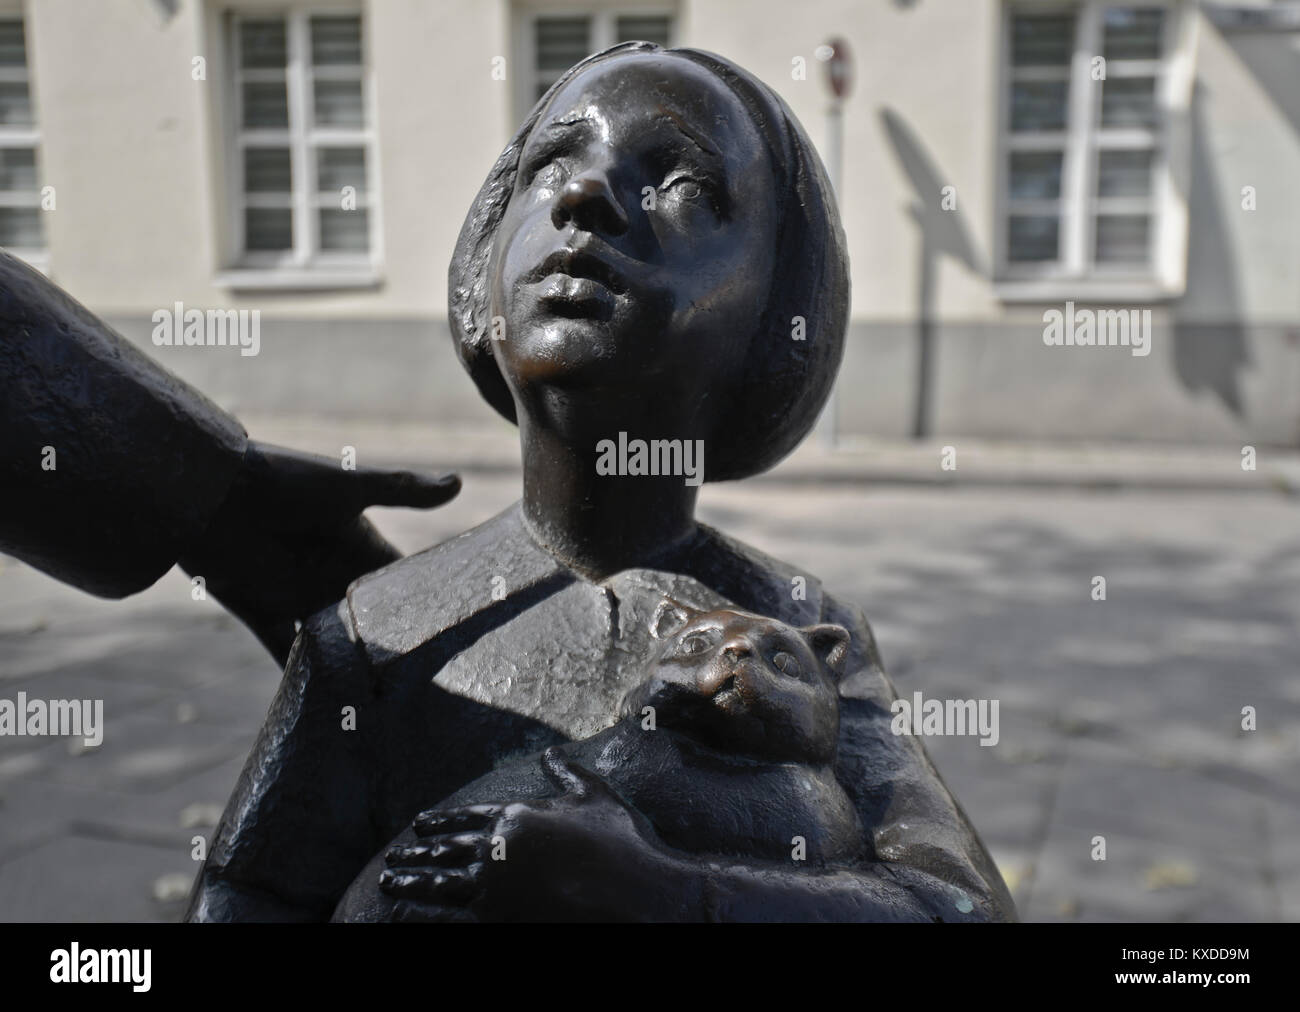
pixel 657 259
pixel 656 253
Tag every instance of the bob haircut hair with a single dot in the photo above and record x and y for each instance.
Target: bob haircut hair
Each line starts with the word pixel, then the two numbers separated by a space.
pixel 777 398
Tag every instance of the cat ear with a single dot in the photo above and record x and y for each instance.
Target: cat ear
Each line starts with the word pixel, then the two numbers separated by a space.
pixel 669 618
pixel 831 644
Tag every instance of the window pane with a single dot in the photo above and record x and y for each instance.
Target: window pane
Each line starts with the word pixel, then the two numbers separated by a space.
pixel 268 228
pixel 1122 238
pixel 267 170
pixel 344 230
pixel 338 104
pixel 1128 102
pixel 336 41
pixel 261 43
pixel 17 169
pixel 643 29
pixel 1042 40
pixel 20 228
pixel 1033 237
pixel 13 51
pixel 15 104
pixel 1038 105
pixel 340 167
pixel 562 42
pixel 1133 33
pixel 265 104
pixel 1036 175
pixel 1124 173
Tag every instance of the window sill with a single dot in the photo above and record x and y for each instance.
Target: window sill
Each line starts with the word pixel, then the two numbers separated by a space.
pixel 1084 290
pixel 298 279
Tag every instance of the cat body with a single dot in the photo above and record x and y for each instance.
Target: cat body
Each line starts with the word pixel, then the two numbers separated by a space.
pixel 727 748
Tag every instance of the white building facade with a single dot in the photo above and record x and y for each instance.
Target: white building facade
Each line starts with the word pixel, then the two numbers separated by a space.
pixel 1001 159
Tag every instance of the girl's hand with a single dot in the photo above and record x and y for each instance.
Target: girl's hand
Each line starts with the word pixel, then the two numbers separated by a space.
pixel 582 856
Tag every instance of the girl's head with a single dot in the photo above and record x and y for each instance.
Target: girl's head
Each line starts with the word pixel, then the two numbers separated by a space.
pixel 659 236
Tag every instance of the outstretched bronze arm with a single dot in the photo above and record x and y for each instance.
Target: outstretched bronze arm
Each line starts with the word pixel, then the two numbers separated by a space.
pixel 112 470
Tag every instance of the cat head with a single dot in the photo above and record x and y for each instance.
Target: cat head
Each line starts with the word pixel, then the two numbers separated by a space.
pixel 745 683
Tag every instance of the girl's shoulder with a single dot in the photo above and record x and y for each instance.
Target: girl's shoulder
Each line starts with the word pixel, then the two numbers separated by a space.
pixel 406 604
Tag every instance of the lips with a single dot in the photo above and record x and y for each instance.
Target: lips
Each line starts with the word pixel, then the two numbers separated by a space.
pixel 577 298
pixel 578 265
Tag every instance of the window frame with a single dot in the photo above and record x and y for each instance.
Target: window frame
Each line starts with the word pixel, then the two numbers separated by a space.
pixel 25 137
pixel 1075 274
pixel 603 35
pixel 305 265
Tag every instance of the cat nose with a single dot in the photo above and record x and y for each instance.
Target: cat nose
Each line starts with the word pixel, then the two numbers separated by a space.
pixel 732 654
pixel 737 649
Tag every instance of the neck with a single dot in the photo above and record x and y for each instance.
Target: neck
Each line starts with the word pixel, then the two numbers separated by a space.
pixel 598 524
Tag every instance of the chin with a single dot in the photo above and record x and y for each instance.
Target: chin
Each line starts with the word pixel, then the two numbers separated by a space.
pixel 564 355
pixel 560 345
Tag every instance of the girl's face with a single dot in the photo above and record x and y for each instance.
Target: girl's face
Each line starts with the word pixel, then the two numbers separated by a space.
pixel 637 251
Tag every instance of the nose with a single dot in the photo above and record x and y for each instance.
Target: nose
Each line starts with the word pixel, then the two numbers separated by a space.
pixel 734 651
pixel 589 203
pixel 738 648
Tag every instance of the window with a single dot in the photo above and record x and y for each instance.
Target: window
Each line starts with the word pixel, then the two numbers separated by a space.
pixel 1087 199
pixel 552 42
pixel 22 230
pixel 303 153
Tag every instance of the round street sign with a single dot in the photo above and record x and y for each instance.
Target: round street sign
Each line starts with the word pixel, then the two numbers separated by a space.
pixel 839 67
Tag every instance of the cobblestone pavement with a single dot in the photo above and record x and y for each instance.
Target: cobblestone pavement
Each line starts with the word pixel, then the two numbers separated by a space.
pixel 1119 718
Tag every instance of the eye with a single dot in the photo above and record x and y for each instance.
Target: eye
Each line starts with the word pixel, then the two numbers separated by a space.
pixel 787 664
pixel 545 171
pixel 686 187
pixel 694 189
pixel 694 644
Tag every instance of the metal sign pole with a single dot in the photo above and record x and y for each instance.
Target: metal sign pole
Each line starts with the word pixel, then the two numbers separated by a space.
pixel 839 77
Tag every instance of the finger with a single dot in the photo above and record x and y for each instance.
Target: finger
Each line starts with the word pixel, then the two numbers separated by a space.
pixel 319 480
pixel 412 489
pixel 449 885
pixel 446 852
pixel 453 820
pixel 568 776
pixel 282 469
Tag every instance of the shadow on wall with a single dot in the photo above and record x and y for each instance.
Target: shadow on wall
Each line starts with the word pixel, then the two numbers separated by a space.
pixel 1213 355
pixel 1209 355
pixel 942 233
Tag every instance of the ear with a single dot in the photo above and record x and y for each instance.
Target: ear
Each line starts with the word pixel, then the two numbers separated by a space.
pixel 669 618
pixel 831 644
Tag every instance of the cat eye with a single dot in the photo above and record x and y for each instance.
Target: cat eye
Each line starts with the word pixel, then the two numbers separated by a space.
pixel 694 644
pixel 787 664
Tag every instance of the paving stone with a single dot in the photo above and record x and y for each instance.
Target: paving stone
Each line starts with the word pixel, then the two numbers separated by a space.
pixel 1283 828
pixel 1143 880
pixel 1104 789
pixel 80 879
pixel 1120 717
